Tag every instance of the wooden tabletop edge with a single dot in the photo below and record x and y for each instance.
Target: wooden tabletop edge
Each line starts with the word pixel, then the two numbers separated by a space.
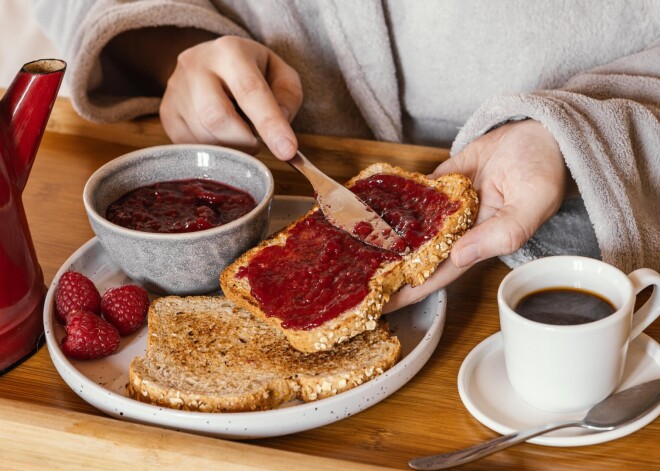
pixel 48 432
pixel 147 131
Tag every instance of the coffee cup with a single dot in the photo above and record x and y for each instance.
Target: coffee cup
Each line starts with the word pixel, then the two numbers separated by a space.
pixel 559 362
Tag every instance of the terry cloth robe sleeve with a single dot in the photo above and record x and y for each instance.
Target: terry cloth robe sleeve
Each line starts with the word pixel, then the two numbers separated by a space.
pixel 607 123
pixel 82 28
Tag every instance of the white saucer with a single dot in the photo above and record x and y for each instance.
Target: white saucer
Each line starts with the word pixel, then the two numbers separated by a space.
pixel 487 394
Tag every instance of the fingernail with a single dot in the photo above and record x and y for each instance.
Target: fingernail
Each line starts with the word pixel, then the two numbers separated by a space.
pixel 466 256
pixel 284 147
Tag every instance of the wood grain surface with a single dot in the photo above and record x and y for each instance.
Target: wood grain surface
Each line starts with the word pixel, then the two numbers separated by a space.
pixel 45 425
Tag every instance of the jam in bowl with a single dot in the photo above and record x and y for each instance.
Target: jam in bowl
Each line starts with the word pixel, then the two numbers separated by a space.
pixel 189 205
pixel 189 261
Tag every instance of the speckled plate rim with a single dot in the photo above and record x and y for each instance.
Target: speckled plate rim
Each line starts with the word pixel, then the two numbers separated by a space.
pixel 427 317
pixel 499 406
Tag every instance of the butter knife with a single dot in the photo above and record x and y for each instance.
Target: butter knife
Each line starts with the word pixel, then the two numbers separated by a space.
pixel 346 211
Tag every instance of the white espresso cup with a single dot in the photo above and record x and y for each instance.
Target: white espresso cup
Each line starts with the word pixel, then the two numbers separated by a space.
pixel 566 368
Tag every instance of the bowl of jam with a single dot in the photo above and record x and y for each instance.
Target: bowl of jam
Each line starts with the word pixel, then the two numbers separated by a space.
pixel 173 217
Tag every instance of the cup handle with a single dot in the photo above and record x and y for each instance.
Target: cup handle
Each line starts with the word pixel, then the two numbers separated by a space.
pixel 650 311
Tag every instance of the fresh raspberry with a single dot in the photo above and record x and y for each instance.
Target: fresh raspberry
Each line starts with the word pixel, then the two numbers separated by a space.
pixel 76 292
pixel 89 336
pixel 125 307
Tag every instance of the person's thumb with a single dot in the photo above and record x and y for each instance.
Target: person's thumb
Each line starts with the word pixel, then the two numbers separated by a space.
pixel 502 234
pixel 460 163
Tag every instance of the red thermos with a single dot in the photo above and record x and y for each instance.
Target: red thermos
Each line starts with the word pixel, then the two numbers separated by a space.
pixel 24 111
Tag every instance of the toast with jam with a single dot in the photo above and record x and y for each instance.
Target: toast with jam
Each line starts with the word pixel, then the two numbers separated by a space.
pixel 320 286
pixel 206 354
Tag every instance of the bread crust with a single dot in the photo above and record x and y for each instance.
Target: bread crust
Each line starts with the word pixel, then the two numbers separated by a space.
pixel 414 268
pixel 206 354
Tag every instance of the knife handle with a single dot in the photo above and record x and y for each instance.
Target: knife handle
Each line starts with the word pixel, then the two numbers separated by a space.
pixel 317 178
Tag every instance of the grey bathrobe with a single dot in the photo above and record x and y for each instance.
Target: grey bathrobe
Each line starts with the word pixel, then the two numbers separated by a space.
pixel 440 73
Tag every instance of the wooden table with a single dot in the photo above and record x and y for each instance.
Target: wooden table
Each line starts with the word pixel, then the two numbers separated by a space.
pixel 45 425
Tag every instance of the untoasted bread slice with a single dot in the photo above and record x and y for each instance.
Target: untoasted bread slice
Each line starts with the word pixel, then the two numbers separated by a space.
pixel 206 354
pixel 413 268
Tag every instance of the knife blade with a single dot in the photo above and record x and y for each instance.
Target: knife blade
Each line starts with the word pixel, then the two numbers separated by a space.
pixel 346 211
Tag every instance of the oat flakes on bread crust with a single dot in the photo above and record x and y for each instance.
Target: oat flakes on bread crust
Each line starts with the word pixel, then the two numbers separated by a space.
pixel 206 354
pixel 415 268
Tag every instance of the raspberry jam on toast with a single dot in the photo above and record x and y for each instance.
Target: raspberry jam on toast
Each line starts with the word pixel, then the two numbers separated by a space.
pixel 321 286
pixel 322 271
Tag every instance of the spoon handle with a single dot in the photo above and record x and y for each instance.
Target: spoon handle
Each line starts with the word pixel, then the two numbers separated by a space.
pixel 473 453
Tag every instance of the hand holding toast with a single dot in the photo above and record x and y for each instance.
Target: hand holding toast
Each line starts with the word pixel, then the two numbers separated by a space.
pixel 520 175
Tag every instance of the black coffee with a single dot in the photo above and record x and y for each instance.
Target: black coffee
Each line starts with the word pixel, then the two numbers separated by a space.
pixel 564 306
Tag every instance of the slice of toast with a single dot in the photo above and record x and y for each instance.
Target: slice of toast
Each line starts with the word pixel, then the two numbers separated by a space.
pixel 413 268
pixel 206 354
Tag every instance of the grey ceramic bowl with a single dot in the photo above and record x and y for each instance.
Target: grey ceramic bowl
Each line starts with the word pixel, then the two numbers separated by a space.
pixel 187 263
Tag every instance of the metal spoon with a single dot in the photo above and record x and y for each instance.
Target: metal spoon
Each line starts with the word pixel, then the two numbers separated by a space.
pixel 617 410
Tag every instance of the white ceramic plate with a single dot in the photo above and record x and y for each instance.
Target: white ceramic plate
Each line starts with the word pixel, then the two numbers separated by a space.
pixel 102 383
pixel 486 392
